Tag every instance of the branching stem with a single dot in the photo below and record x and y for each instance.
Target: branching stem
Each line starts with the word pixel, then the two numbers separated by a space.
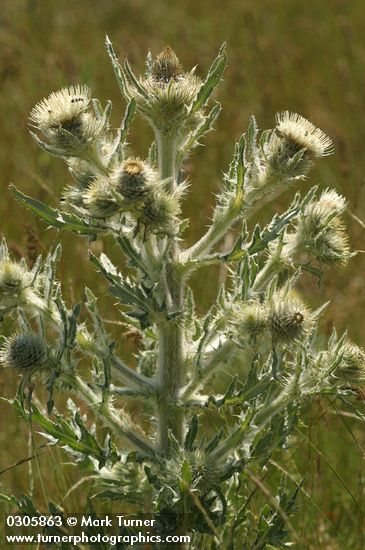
pixel 216 231
pixel 131 375
pixel 109 417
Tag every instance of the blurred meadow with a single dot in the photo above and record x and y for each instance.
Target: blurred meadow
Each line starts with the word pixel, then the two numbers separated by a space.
pixel 307 57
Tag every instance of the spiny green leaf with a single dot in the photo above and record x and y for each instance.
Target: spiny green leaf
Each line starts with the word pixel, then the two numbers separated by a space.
pixel 134 81
pixel 128 116
pixel 250 141
pixel 214 76
pixel 118 71
pixel 55 217
pixel 204 128
pixel 65 434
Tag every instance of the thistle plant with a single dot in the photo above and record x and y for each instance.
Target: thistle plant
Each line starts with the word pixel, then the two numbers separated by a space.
pixel 246 366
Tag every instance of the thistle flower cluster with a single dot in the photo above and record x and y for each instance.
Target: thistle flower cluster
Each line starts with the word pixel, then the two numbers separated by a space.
pixel 134 187
pixel 106 183
pixel 124 190
pixel 283 317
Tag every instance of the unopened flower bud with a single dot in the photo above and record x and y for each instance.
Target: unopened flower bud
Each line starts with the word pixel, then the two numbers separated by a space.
pixel 347 363
pixel 289 316
pixel 320 229
pixel 86 340
pixel 164 96
pixel 351 368
pixel 159 213
pixel 135 179
pixel 204 469
pixel 99 200
pixel 82 172
pixel 13 277
pixel 251 319
pixel 23 352
pixel 166 66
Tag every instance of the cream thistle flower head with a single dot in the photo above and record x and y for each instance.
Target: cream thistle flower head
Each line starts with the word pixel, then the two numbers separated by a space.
pixel 291 148
pixel 300 134
pixel 70 129
pixel 61 108
pixel 23 352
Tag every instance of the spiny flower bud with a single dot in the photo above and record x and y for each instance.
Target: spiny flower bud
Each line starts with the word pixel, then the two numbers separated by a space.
pixel 351 363
pixel 86 340
pixel 346 363
pixel 320 229
pixel 23 352
pixel 251 319
pixel 289 317
pixel 164 96
pixel 320 211
pixel 99 200
pixel 134 180
pixel 159 213
pixel 73 196
pixel 205 470
pixel 13 277
pixel 166 66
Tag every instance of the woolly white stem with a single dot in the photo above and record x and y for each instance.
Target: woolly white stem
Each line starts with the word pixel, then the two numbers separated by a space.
pixel 170 376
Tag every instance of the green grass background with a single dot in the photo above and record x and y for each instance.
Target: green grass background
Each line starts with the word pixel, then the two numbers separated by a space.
pixel 284 54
